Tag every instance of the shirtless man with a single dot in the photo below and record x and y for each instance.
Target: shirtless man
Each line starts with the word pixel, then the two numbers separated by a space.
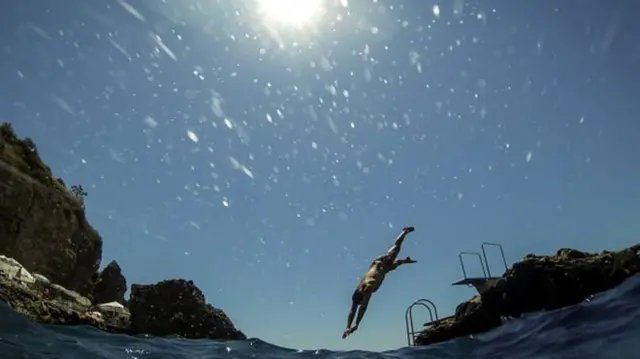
pixel 373 279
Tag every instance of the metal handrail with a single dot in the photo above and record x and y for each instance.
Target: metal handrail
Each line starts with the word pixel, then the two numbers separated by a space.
pixel 408 317
pixel 429 305
pixel 464 271
pixel 484 254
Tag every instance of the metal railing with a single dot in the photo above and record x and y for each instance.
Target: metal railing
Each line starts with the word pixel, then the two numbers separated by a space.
pixel 464 271
pixel 484 264
pixel 431 307
pixel 408 318
pixel 484 255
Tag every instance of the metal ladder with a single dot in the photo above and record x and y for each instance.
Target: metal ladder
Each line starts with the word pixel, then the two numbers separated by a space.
pixel 480 283
pixel 408 318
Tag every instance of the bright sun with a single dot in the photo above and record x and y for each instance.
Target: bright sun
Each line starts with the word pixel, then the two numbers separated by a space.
pixel 290 12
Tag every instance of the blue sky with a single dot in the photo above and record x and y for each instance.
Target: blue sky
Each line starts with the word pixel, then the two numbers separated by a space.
pixel 270 162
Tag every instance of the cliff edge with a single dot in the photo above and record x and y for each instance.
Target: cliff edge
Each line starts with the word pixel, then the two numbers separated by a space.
pixel 50 255
pixel 42 225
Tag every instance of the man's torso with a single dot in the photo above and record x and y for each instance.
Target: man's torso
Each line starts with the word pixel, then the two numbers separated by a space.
pixel 374 276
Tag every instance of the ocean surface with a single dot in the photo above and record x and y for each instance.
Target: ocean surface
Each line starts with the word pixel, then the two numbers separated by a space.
pixel 605 326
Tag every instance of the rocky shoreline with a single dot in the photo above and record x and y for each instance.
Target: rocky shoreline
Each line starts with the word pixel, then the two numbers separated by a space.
pixel 171 307
pixel 537 283
pixel 50 255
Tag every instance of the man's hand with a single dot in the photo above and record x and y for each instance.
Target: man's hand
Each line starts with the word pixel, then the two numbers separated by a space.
pixel 409 260
pixel 408 229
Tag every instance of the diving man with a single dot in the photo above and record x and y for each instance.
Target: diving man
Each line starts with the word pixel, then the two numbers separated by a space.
pixel 373 279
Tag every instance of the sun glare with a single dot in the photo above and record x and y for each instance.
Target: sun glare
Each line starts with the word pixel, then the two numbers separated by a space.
pixel 291 12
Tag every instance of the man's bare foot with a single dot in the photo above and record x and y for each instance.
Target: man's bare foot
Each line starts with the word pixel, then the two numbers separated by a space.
pixel 408 229
pixel 349 331
pixel 409 260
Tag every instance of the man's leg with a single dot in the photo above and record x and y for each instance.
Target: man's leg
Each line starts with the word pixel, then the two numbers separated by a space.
pixel 352 314
pixel 361 305
pixel 356 299
pixel 361 310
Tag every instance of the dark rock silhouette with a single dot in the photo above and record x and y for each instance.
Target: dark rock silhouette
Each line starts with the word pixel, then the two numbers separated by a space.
pixel 41 224
pixel 537 283
pixel 110 285
pixel 178 307
pixel 50 254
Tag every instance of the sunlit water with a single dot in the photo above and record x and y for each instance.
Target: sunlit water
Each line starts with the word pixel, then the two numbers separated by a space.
pixel 606 326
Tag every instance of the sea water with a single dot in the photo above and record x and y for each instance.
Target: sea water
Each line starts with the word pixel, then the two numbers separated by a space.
pixel 604 326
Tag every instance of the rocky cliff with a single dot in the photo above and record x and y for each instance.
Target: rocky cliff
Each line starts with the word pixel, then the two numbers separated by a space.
pixel 109 285
pixel 42 225
pixel 50 254
pixel 537 283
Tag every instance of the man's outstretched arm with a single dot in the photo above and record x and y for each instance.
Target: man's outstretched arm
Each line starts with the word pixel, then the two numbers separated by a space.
pixel 397 244
pixel 400 238
pixel 398 262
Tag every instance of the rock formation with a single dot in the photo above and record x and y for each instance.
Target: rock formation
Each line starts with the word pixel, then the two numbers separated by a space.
pixel 42 225
pixel 35 296
pixel 537 283
pixel 49 257
pixel 110 285
pixel 178 307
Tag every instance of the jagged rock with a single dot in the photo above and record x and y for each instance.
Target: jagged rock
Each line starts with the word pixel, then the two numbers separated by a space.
pixel 43 230
pixel 14 270
pixel 9 264
pixel 115 313
pixel 110 285
pixel 537 283
pixel 58 291
pixel 47 302
pixel 97 316
pixel 42 225
pixel 174 307
pixel 41 278
pixel 177 307
pixel 112 307
pixel 24 276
